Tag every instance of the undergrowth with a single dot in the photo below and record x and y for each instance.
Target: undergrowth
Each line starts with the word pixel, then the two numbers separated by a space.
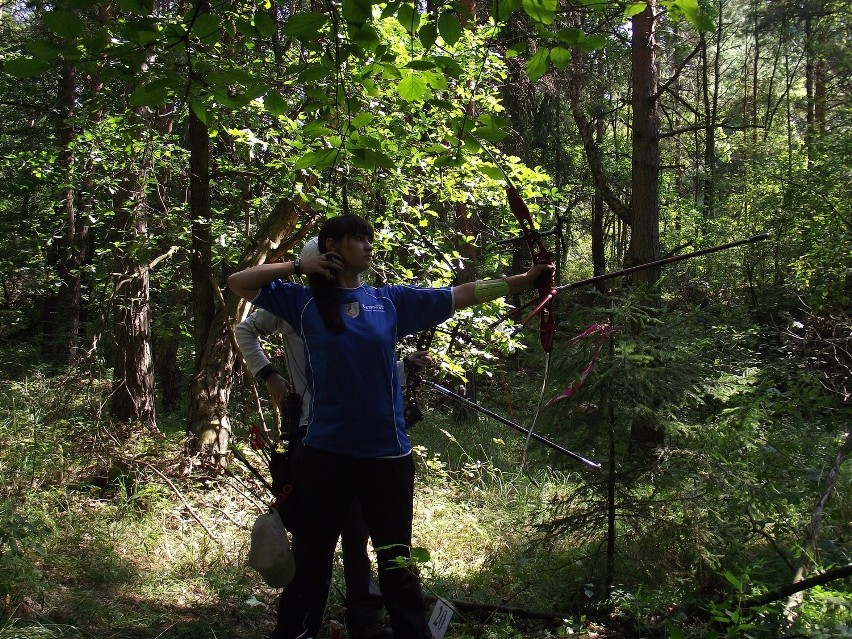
pixel 105 531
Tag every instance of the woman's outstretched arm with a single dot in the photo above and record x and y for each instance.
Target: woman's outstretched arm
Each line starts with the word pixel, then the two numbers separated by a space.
pixel 473 293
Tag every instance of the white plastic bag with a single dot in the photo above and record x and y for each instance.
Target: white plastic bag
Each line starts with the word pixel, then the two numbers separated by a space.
pixel 270 552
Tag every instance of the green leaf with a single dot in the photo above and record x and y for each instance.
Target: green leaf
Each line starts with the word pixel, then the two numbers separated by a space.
pixel 206 26
pixel 408 18
pixel 491 128
pixel 634 9
pixel 543 11
pixel 436 80
pixel 705 22
pixel 570 36
pixel 734 581
pixel 449 27
pixel 537 65
pixel 356 11
pixel 593 42
pixel 422 64
pixel 63 23
pixel 305 24
pixel 505 8
pixel 227 76
pixel 560 57
pixel 314 72
pixel 199 110
pixel 693 14
pixel 321 159
pixel 428 34
pixel 362 119
pixel 151 94
pixel 43 49
pixel 412 87
pixel 472 144
pixel 275 103
pixel 142 31
pixel 264 24
pixel 452 159
pixel 391 71
pixel 448 65
pixel 368 142
pixel 390 9
pixel 516 49
pixel 420 555
pixel 675 632
pixel 491 170
pixel 26 67
pixel 365 36
pixel 365 158
pixel 141 7
pixel 690 9
pixel 246 28
pixel 316 130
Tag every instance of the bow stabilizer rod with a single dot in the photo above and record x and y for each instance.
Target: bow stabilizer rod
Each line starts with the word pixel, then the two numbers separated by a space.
pixel 507 422
pixel 667 260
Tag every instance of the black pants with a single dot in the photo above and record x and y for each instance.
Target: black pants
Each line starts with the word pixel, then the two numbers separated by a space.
pixel 363 600
pixel 325 487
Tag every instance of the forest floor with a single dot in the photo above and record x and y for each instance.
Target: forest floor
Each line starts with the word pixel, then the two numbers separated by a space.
pixel 137 545
pixel 116 535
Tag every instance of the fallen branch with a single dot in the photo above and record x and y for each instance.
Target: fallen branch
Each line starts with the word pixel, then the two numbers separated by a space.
pixel 790 589
pixel 185 503
pixel 482 607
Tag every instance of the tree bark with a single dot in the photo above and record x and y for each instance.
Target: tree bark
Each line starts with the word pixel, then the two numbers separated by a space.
pixel 710 94
pixel 645 229
pixel 210 386
pixel 133 392
pixel 594 157
pixel 61 326
pixel 133 368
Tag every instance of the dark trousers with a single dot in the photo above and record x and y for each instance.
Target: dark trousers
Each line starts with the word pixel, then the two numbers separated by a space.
pixel 325 487
pixel 363 600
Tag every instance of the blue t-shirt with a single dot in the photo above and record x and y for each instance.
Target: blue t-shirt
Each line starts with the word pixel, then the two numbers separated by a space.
pixel 357 399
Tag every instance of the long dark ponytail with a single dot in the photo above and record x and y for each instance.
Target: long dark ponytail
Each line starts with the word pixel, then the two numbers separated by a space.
pixel 325 290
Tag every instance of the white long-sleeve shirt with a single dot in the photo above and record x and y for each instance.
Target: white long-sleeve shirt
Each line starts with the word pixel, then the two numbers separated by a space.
pixel 261 324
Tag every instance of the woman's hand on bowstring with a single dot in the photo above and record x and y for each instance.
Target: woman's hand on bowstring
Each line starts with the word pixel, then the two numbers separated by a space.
pixel 327 264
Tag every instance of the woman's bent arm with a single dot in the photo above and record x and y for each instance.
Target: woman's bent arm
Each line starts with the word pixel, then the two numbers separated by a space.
pixel 247 283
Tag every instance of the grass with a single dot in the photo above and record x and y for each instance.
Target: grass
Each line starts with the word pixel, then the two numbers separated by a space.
pixel 109 533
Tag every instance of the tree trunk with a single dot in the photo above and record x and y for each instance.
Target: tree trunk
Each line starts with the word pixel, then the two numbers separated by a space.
pixel 598 230
pixel 645 230
pixel 594 157
pixel 61 327
pixel 711 116
pixel 210 386
pixel 810 117
pixel 133 370
pixel 133 393
pixel 168 372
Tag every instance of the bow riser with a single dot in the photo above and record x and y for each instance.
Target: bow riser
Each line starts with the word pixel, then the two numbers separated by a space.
pixel 544 285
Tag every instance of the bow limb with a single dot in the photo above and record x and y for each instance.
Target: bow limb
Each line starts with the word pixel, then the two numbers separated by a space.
pixel 544 284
